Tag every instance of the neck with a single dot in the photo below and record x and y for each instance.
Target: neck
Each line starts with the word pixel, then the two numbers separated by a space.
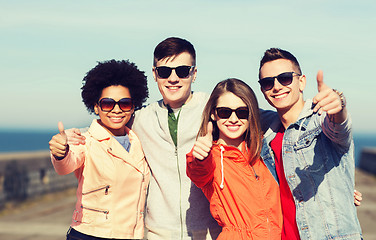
pixel 289 116
pixel 114 132
pixel 232 142
pixel 178 104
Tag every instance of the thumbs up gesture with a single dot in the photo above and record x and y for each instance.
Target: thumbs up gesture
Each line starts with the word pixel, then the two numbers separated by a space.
pixel 327 100
pixel 203 144
pixel 59 143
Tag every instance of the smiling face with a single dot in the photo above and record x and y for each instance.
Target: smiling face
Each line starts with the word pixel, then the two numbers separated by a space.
pixel 284 98
pixel 175 91
pixel 232 129
pixel 114 120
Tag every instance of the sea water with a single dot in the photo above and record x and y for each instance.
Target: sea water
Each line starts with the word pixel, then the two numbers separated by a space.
pixel 33 140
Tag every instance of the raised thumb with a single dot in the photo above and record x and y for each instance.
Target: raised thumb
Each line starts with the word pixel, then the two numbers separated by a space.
pixel 209 133
pixel 320 80
pixel 62 130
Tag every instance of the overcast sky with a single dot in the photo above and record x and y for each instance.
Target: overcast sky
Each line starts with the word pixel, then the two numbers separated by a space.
pixel 48 46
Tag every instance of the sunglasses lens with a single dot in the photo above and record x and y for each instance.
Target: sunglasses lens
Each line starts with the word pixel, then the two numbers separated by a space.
pixel 125 104
pixel 285 78
pixel 242 113
pixel 267 83
pixel 183 71
pixel 106 104
pixel 164 72
pixel 224 112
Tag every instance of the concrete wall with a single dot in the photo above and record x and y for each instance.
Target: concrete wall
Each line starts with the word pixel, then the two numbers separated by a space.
pixel 368 160
pixel 27 174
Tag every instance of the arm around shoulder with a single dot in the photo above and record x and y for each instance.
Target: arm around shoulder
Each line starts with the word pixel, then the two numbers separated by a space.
pixel 72 161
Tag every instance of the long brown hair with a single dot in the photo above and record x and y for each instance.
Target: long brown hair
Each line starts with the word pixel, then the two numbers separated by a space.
pixel 253 134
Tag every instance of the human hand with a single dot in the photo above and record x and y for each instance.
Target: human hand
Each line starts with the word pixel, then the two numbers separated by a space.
pixel 203 144
pixel 357 198
pixel 59 143
pixel 74 136
pixel 326 99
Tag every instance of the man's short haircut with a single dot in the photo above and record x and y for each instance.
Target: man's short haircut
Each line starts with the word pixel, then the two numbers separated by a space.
pixel 171 47
pixel 277 53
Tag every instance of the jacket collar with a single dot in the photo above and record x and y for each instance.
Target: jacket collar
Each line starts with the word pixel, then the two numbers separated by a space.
pixel 99 133
pixel 306 112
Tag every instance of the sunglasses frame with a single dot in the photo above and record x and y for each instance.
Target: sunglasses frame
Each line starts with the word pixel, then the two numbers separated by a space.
pixel 232 110
pixel 278 77
pixel 115 103
pixel 176 69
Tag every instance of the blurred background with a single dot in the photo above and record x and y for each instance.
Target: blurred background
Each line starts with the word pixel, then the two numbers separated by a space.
pixel 47 47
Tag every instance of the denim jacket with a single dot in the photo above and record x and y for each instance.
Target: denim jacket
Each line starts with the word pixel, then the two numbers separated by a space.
pixel 318 161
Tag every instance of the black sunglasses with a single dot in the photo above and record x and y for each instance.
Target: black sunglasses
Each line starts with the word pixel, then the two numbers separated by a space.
pixel 107 104
pixel 181 71
pixel 283 78
pixel 225 112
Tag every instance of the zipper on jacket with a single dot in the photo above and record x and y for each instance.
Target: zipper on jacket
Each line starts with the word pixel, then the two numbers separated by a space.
pixel 138 202
pixel 106 212
pixel 179 174
pixel 105 188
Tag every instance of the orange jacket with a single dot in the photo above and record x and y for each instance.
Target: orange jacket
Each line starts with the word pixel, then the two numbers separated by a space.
pixel 112 185
pixel 244 198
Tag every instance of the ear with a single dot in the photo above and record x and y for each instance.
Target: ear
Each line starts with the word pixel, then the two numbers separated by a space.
pixel 96 109
pixel 212 116
pixel 302 83
pixel 194 75
pixel 154 73
pixel 131 111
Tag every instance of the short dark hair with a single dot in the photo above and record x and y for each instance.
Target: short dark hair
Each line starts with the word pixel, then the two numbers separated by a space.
pixel 277 53
pixel 253 135
pixel 173 46
pixel 114 73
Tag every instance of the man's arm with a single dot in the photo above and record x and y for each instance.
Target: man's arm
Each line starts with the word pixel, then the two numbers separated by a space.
pixel 75 137
pixel 330 101
pixel 337 123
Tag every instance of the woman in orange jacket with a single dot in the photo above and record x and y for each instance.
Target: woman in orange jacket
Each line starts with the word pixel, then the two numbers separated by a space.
pixel 225 163
pixel 111 169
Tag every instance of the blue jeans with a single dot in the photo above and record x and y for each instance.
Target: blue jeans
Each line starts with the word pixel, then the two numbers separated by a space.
pixel 75 235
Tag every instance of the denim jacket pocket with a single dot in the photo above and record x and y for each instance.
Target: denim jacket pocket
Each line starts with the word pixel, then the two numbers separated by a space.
pixel 313 155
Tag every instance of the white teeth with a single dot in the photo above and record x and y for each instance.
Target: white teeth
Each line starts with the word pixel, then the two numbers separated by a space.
pixel 173 88
pixel 280 96
pixel 233 127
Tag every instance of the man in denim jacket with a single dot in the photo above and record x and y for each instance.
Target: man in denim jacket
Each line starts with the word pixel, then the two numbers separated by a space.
pixel 310 144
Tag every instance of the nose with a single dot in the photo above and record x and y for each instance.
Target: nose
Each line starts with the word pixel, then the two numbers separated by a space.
pixel 117 108
pixel 233 118
pixel 277 85
pixel 173 77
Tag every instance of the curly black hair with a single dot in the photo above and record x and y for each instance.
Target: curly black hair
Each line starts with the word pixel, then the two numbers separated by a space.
pixel 114 73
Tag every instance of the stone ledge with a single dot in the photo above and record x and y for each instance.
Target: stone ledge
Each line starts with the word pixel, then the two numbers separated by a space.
pixel 367 160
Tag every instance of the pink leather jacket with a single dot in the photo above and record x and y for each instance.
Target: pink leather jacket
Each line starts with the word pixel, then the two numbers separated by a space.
pixel 112 184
